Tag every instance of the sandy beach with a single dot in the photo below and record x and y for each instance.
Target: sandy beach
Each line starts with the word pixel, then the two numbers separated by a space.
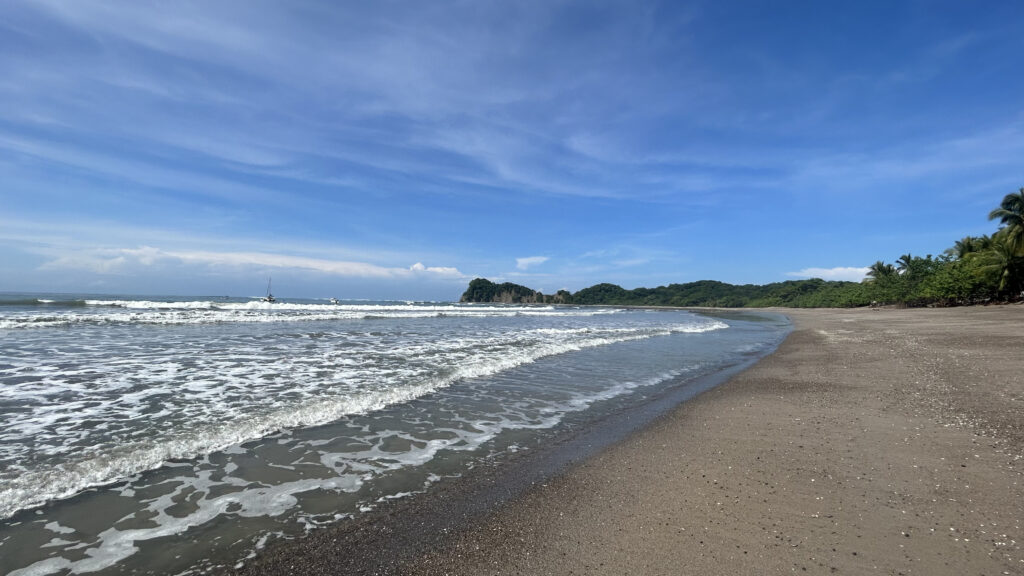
pixel 871 442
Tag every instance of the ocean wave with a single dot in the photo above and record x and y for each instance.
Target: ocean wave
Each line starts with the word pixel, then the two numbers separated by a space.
pixel 297 306
pixel 153 305
pixel 451 361
pixel 47 302
pixel 202 312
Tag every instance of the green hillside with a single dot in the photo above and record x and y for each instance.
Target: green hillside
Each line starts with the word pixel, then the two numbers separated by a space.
pixel 976 269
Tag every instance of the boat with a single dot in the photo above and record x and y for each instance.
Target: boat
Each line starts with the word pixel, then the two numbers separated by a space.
pixel 269 297
pixel 335 301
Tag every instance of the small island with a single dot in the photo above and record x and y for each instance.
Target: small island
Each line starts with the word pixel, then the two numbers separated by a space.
pixel 482 290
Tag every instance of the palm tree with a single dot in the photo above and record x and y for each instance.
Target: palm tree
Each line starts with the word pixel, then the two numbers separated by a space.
pixel 960 248
pixel 1002 260
pixel 880 270
pixel 903 263
pixel 1011 215
pixel 969 245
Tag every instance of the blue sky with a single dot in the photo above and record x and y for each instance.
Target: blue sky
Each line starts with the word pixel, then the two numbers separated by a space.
pixel 399 149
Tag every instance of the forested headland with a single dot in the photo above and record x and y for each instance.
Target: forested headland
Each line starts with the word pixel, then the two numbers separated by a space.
pixel 974 270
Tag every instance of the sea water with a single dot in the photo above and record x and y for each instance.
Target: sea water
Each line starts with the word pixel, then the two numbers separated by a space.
pixel 176 435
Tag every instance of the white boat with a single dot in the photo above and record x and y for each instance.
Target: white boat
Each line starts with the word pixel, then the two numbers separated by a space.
pixel 269 297
pixel 335 301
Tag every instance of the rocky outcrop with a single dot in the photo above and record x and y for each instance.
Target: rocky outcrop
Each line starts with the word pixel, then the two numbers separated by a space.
pixel 483 290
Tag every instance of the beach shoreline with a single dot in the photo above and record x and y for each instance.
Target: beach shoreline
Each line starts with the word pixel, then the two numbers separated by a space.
pixel 871 441
pixel 406 527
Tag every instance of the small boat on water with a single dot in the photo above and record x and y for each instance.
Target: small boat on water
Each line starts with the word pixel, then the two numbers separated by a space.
pixel 335 301
pixel 269 297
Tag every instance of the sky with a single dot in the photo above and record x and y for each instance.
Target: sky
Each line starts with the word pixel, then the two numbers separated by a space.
pixel 397 150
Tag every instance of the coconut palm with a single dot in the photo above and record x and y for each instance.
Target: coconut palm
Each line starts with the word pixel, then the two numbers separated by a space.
pixel 903 263
pixel 1011 215
pixel 1003 262
pixel 962 247
pixel 969 245
pixel 880 270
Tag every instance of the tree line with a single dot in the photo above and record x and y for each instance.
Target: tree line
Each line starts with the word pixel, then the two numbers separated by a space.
pixel 975 270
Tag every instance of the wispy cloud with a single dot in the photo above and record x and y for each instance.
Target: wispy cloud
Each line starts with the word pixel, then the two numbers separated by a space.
pixel 56 236
pixel 112 261
pixel 525 263
pixel 983 149
pixel 232 84
pixel 847 273
pixel 351 139
pixel 138 173
pixel 104 249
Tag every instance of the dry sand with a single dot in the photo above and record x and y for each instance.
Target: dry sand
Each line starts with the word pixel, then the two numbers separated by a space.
pixel 872 442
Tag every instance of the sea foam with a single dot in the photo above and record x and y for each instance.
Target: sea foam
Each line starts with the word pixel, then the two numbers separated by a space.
pixel 284 418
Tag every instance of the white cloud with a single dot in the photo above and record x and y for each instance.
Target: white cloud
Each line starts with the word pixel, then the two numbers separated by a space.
pixel 524 263
pixel 112 261
pixel 439 270
pixel 848 273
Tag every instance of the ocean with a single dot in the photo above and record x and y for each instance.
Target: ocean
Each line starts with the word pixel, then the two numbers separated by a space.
pixel 178 435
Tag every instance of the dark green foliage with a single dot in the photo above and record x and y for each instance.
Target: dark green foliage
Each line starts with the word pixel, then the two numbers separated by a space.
pixel 1011 215
pixel 483 290
pixel 956 282
pixel 1003 265
pixel 974 270
pixel 602 294
pixel 794 293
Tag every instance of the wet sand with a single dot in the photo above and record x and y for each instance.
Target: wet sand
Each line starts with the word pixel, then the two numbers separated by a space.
pixel 871 442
